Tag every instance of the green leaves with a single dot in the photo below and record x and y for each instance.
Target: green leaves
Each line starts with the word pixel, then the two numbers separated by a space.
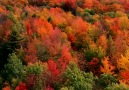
pixel 78 79
pixel 36 69
pixel 116 86
pixel 14 68
pixel 105 80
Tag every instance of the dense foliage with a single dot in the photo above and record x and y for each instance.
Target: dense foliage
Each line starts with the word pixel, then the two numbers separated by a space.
pixel 64 44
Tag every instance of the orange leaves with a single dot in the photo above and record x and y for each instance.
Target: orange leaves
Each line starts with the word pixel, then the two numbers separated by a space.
pixel 113 24
pixel 107 67
pixel 1 10
pixel 43 28
pixel 116 7
pixel 58 16
pixel 123 67
pixel 41 23
pixel 6 88
pixel 80 26
pixel 88 4
pixel 39 26
pixel 102 41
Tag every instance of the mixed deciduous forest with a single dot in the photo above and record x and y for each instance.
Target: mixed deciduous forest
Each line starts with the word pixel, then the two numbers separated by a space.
pixel 64 44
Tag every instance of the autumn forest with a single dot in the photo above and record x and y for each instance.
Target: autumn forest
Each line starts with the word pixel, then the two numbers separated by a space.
pixel 64 44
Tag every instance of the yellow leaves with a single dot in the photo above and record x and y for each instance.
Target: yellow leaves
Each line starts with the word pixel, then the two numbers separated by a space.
pixel 96 17
pixel 120 14
pixel 123 23
pixel 44 14
pixel 107 67
pixel 69 30
pixel 123 63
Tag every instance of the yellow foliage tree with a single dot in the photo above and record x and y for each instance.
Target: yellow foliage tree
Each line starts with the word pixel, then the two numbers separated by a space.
pixel 107 67
pixel 123 62
pixel 123 23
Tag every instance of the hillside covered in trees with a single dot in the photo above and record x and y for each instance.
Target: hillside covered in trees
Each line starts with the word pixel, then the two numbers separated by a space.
pixel 64 44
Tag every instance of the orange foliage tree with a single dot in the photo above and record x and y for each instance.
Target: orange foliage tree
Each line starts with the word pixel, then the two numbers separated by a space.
pixel 106 66
pixel 88 4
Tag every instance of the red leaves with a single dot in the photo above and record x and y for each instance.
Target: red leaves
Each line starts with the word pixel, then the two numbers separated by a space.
pixel 94 66
pixel 31 53
pixel 52 67
pixel 65 58
pixel 96 24
pixel 126 6
pixel 31 80
pixel 54 74
pixel 21 86
pixel 124 77
pixel 49 88
pixel 71 37
pixel 65 55
pixel 57 67
pixel 115 26
pixel 29 31
pixel 5 26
